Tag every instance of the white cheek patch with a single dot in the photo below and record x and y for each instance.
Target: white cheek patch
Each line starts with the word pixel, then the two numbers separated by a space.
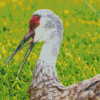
pixel 40 30
pixel 42 33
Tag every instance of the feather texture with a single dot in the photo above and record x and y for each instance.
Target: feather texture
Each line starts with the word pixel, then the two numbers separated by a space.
pixel 50 88
pixel 46 84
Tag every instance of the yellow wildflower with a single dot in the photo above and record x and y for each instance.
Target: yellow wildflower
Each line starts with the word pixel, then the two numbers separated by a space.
pixel 66 11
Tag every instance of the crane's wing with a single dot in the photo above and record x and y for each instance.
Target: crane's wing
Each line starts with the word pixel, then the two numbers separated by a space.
pixel 85 90
pixel 88 89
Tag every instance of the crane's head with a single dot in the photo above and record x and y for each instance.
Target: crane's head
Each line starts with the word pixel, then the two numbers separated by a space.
pixel 42 26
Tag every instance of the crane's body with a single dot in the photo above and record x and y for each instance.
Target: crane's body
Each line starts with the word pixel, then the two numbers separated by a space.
pixel 47 26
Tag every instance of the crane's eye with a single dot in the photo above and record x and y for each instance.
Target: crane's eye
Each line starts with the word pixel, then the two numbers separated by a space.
pixel 36 23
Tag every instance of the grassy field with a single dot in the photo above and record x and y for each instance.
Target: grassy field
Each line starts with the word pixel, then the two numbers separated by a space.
pixel 79 55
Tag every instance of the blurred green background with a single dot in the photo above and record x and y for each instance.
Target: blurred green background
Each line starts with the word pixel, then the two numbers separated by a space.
pixel 79 55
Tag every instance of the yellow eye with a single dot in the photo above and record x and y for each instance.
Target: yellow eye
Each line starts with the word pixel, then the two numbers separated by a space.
pixel 36 23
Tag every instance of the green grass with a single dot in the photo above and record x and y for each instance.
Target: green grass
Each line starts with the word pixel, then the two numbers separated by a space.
pixel 79 55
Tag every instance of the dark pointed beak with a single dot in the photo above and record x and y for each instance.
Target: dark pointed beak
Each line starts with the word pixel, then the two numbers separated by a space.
pixel 20 46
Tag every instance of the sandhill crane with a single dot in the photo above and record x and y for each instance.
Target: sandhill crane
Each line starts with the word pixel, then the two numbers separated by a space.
pixel 47 26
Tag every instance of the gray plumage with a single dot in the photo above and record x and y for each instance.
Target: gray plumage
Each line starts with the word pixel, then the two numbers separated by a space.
pixel 46 84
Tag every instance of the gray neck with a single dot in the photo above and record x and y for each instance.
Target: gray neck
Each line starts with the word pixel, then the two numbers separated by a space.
pixel 45 67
